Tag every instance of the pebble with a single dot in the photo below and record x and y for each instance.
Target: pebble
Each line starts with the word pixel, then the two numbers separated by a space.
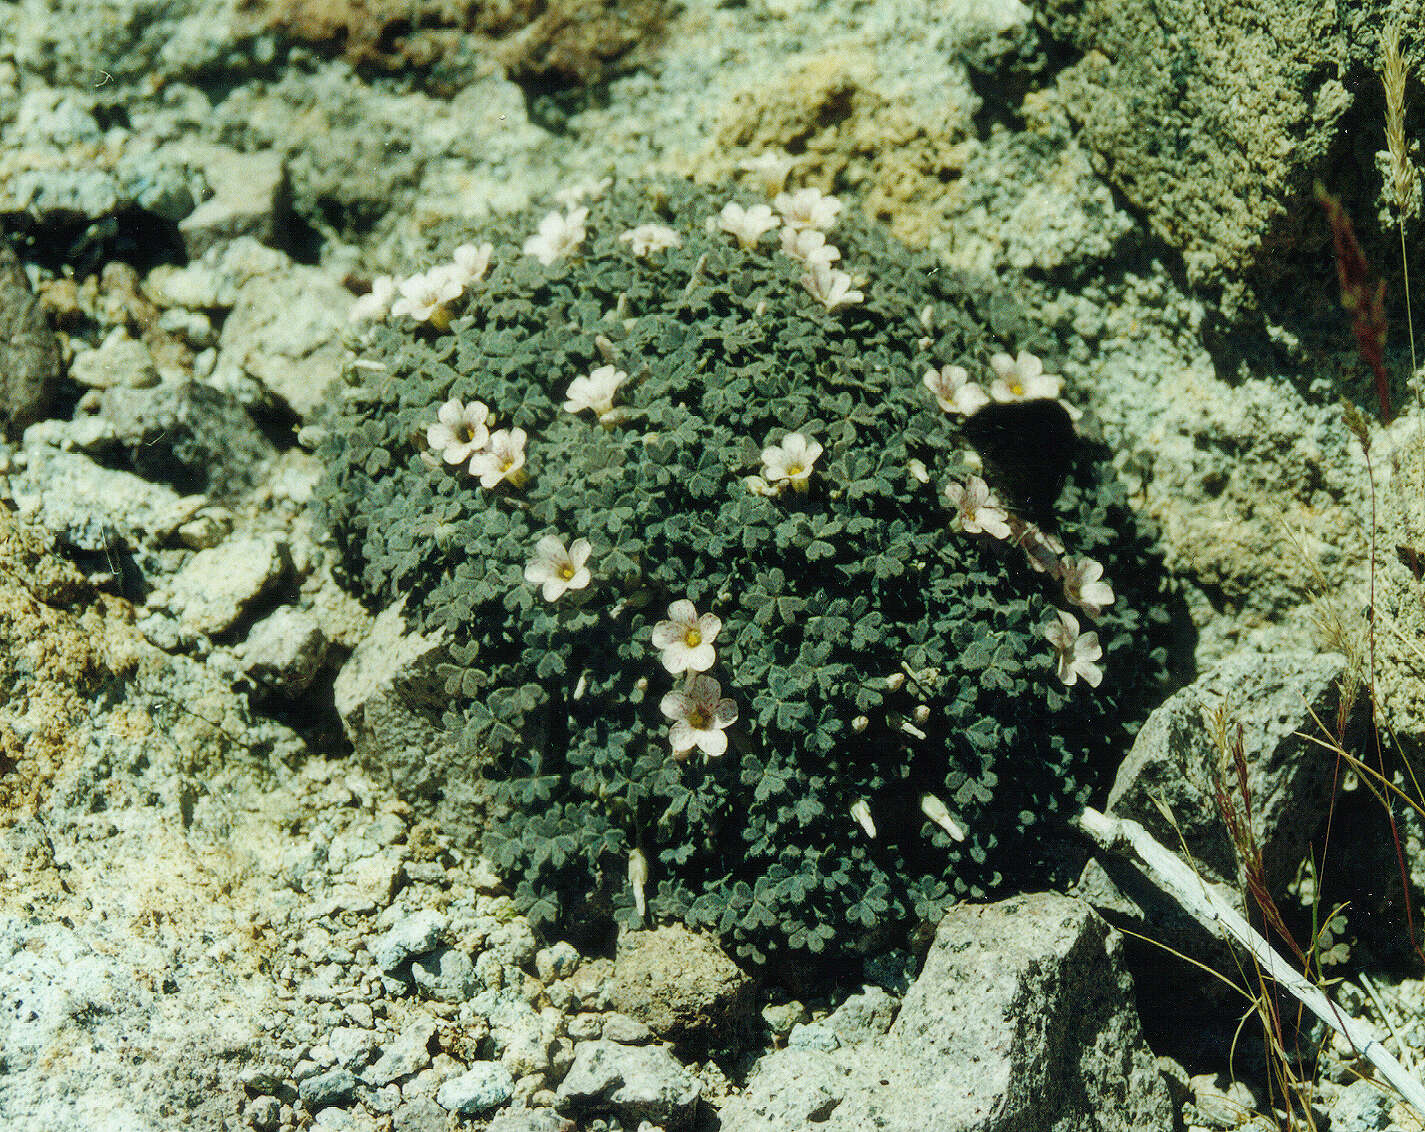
pixel 629 1031
pixel 329 1088
pixel 484 1086
pixel 414 933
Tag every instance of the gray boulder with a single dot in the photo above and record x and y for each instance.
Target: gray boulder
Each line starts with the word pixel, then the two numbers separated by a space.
pixel 1212 119
pixel 29 352
pixel 1022 1018
pixel 632 1082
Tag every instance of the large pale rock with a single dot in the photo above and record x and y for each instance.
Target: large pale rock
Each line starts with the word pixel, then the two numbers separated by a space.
pixel 635 1082
pixel 29 353
pixel 1022 1018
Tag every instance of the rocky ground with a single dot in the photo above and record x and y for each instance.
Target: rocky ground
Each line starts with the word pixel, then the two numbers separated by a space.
pixel 213 916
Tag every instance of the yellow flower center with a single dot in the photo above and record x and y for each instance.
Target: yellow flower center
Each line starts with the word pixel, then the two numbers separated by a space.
pixel 698 720
pixel 465 434
pixel 1016 389
pixel 567 571
pixel 692 638
pixel 794 470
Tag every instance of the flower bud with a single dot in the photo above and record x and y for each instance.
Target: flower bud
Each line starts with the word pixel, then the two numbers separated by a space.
pixel 862 813
pixel 638 877
pixel 933 808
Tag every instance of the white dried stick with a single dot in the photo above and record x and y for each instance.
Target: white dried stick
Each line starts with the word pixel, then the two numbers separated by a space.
pixel 1209 904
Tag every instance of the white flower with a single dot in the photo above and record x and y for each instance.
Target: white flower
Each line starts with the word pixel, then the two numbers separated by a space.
pixel 1040 548
pixel 861 811
pixel 584 190
pixel 638 880
pixel 595 391
pixel 647 239
pixel 977 511
pixel 933 808
pixel 1084 585
pixel 747 224
pixel 1076 652
pixel 376 302
pixel 468 264
pixel 459 431
pixel 807 245
pixel 832 288
pixel 954 391
pixel 686 639
pixel 1022 379
pixel 556 568
pixel 770 167
pixel 424 296
pixel 559 235
pixel 503 459
pixel 791 461
pixel 807 208
pixel 699 716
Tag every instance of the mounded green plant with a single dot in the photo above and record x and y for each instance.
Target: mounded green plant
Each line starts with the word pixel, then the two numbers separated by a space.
pixel 874 654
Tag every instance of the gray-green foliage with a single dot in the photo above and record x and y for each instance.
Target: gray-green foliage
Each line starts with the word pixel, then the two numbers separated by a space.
pixel 822 595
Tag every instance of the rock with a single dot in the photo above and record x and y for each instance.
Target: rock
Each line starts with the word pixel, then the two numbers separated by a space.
pixel 213 282
pixel 629 1031
pixel 117 361
pixel 285 332
pixel 1361 1107
pixel 390 696
pixel 216 587
pixel 352 1047
pixel 189 435
pixel 1212 122
pixel 1022 1017
pixel 484 1086
pixel 264 1113
pixel 524 1041
pixel 29 353
pixel 682 985
pixel 415 933
pixel 863 1016
pixel 530 1120
pixel 95 508
pixel 408 1054
pixel 329 1088
pixel 251 197
pixel 446 974
pixel 634 1082
pixel 813 1035
pixel 1273 699
pixel 420 1115
pixel 1223 1103
pixel 556 961
pixel 285 650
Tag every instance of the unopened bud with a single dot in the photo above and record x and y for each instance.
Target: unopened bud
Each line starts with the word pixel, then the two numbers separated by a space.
pixel 859 724
pixel 862 813
pixel 922 713
pixel 895 681
pixel 912 730
pixel 638 877
pixel 933 808
pixel 606 348
pixel 918 469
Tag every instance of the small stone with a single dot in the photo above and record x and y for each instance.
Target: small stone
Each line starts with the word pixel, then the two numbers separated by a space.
pixel 250 197
pixel 420 1115
pixel 30 364
pixel 409 1053
pixel 264 1077
pixel 285 650
pixel 781 1017
pixel 813 1035
pixel 556 962
pixel 1361 1107
pixel 682 985
pixel 445 974
pixel 211 593
pixel 360 1014
pixel 635 1082
pixel 629 1031
pixel 537 1118
pixel 264 1113
pixel 585 1027
pixel 118 361
pixel 413 934
pixel 350 1047
pixel 1224 1104
pixel 484 1086
pixel 329 1088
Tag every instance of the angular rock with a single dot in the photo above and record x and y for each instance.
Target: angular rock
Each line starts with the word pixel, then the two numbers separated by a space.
pixel 285 650
pixel 1213 120
pixel 216 587
pixel 286 332
pixel 445 974
pixel 390 696
pixel 29 352
pixel 530 1120
pixel 94 508
pixel 1273 699
pixel 1022 1018
pixel 117 361
pixel 485 1085
pixel 329 1088
pixel 192 436
pixel 413 934
pixel 682 985
pixel 251 197
pixel 408 1054
pixel 633 1082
